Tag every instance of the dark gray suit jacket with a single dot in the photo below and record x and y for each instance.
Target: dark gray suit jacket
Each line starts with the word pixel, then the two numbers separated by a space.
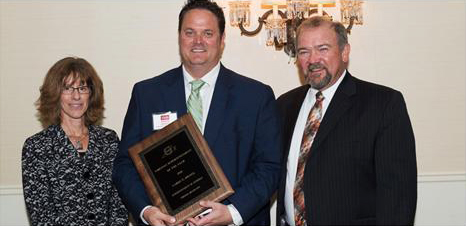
pixel 362 165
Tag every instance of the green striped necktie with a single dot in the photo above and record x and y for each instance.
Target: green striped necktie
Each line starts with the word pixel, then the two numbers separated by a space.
pixel 195 102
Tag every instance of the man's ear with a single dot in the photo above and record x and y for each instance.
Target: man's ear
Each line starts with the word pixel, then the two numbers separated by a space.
pixel 345 53
pixel 222 40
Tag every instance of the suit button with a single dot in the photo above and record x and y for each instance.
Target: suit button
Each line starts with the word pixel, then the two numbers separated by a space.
pixel 90 195
pixel 86 175
pixel 91 216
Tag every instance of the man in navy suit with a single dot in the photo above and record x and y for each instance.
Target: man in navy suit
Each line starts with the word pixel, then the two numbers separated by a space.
pixel 239 122
pixel 360 166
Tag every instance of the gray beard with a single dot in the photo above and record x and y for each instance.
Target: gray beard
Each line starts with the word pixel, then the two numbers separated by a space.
pixel 322 83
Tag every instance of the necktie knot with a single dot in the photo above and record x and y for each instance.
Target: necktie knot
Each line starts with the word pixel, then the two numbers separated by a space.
pixel 196 85
pixel 319 97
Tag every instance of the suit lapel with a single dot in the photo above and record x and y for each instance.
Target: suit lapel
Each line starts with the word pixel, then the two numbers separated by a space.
pixel 174 96
pixel 341 102
pixel 218 106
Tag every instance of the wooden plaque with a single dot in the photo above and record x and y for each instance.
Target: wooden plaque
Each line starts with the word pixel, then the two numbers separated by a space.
pixel 178 169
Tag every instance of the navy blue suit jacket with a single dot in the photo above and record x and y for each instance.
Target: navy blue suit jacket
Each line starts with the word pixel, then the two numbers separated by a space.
pixel 361 169
pixel 242 130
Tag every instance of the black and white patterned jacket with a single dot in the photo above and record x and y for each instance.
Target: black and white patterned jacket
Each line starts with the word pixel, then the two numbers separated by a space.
pixel 61 188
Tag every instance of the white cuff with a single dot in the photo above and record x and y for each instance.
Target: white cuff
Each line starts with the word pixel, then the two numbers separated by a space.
pixel 141 215
pixel 237 219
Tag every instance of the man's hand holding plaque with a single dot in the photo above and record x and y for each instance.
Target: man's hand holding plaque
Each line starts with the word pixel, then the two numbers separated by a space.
pixel 218 214
pixel 179 170
pixel 154 216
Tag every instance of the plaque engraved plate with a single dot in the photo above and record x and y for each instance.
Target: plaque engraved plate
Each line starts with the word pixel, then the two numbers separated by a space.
pixel 178 169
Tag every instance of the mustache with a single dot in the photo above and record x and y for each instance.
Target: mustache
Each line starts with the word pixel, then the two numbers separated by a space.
pixel 315 66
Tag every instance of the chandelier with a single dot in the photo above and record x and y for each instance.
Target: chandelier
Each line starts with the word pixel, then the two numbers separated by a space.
pixel 283 17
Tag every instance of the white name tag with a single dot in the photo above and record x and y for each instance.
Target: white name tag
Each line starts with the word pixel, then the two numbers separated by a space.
pixel 163 119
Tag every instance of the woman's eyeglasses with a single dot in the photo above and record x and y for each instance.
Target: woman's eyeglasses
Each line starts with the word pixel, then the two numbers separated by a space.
pixel 81 90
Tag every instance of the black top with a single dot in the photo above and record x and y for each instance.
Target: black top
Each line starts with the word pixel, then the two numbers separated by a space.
pixel 61 188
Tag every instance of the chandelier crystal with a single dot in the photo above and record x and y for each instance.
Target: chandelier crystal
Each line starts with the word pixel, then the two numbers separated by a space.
pixel 240 13
pixel 351 9
pixel 297 9
pixel 276 30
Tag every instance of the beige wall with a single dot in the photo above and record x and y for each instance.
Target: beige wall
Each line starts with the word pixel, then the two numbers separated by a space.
pixel 417 47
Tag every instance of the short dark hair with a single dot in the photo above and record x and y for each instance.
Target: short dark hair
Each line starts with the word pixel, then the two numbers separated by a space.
pixel 203 4
pixel 48 104
pixel 317 21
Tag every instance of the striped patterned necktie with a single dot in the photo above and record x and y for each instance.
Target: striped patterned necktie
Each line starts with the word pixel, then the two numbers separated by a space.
pixel 195 102
pixel 310 130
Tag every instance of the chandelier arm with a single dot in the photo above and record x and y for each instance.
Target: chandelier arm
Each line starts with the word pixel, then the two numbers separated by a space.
pixel 261 21
pixel 282 14
pixel 350 26
pixel 250 33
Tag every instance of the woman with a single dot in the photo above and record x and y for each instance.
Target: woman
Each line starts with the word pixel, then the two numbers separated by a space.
pixel 67 167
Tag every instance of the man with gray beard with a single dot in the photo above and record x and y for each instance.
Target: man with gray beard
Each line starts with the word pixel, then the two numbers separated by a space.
pixel 348 143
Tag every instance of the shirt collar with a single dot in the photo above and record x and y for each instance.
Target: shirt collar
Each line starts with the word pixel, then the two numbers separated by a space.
pixel 210 78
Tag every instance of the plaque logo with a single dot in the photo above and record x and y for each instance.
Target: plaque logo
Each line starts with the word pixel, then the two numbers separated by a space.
pixel 168 150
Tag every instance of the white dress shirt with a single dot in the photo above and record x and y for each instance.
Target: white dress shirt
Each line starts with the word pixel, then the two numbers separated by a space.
pixel 295 146
pixel 206 93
